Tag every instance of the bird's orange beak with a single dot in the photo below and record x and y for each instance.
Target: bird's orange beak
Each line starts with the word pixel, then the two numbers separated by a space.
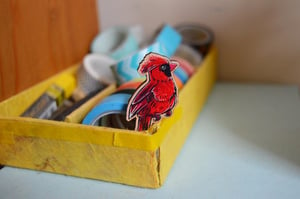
pixel 173 65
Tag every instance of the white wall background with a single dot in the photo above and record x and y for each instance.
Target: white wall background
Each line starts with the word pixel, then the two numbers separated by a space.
pixel 258 40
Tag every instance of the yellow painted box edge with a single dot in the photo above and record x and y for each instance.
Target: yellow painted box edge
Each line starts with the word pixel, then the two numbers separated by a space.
pixel 108 154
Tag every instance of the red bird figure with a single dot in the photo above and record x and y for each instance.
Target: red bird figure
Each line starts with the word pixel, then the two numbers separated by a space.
pixel 155 97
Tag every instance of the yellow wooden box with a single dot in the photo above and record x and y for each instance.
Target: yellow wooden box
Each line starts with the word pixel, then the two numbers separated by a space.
pixel 108 154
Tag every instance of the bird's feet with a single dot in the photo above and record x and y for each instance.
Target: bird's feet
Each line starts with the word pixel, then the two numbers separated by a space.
pixel 157 118
pixel 168 113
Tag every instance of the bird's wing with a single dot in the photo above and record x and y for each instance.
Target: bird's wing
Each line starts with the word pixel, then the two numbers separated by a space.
pixel 141 99
pixel 143 93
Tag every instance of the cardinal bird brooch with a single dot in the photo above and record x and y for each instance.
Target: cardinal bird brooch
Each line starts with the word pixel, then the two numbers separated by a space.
pixel 157 95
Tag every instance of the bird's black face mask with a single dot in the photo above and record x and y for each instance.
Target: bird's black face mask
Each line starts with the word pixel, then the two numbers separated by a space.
pixel 165 68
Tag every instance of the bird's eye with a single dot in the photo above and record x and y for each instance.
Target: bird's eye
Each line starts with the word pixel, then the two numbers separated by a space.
pixel 163 67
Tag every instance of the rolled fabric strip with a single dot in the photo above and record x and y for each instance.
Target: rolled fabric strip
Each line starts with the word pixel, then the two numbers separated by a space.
pixel 197 36
pixel 138 32
pixel 130 85
pixel 94 74
pixel 181 74
pixel 116 103
pixel 165 44
pixel 178 82
pixel 122 122
pixel 189 54
pixel 185 65
pixel 116 42
pixel 128 91
pixel 127 68
pixel 117 120
pixel 98 66
pixel 67 109
pixel 106 120
pixel 170 39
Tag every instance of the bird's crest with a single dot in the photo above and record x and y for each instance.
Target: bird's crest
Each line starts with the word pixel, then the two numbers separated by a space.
pixel 150 61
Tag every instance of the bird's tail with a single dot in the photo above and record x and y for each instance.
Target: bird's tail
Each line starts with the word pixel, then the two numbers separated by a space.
pixel 143 123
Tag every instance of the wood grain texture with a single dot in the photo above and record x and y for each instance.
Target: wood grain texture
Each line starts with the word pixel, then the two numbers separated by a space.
pixel 42 37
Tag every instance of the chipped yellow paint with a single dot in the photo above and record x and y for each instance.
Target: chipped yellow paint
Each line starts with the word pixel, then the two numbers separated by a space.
pixel 116 155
